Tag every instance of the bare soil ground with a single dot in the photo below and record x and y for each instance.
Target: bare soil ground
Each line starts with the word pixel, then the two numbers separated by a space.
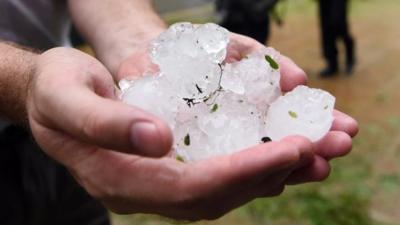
pixel 371 95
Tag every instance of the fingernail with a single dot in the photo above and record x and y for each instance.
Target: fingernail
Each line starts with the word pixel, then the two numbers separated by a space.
pixel 146 139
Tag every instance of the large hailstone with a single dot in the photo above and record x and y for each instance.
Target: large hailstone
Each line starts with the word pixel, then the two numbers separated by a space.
pixel 304 111
pixel 215 108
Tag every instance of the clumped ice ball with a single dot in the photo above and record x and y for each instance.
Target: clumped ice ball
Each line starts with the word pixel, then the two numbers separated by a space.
pixel 229 125
pixel 304 111
pixel 189 56
pixel 254 77
pixel 151 94
pixel 215 108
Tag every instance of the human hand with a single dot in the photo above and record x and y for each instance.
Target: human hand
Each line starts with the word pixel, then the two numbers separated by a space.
pixel 72 101
pixel 76 119
pixel 128 183
pixel 336 143
pixel 139 61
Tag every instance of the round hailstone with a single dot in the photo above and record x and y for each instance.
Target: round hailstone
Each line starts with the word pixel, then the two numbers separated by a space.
pixel 257 77
pixel 213 40
pixel 189 57
pixel 149 94
pixel 210 130
pixel 304 111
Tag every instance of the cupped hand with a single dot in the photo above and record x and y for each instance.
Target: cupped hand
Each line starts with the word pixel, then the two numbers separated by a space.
pixel 336 143
pixel 77 119
pixel 72 100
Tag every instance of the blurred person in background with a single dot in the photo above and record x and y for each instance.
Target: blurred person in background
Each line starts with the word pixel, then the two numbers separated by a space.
pixel 334 26
pixel 69 147
pixel 247 17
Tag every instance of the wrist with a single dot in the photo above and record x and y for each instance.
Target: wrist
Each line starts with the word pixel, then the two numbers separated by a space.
pixel 17 67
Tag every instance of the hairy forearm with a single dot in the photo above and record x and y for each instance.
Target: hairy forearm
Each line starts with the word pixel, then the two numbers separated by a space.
pixel 16 67
pixel 115 27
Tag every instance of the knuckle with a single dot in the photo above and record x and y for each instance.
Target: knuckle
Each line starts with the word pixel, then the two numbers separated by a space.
pixel 91 126
pixel 292 154
pixel 301 73
pixel 323 175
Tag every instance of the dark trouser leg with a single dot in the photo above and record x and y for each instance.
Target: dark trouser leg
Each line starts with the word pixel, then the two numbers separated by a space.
pixel 347 37
pixel 39 191
pixel 328 33
pixel 234 26
pixel 258 30
pixel 340 22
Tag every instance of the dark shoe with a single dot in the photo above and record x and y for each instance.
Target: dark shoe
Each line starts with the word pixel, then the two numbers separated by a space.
pixel 328 72
pixel 350 67
pixel 350 55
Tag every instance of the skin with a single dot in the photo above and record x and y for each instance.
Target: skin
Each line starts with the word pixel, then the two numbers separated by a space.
pixel 74 114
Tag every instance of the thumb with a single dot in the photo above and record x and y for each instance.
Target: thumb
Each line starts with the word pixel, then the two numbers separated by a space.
pixel 103 122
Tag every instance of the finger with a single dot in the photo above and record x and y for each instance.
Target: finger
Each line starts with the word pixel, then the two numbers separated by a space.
pixel 200 184
pixel 334 144
pixel 249 167
pixel 125 183
pixel 241 46
pixel 345 123
pixel 106 123
pixel 270 186
pixel 273 184
pixel 307 150
pixel 136 65
pixel 245 44
pixel 291 74
pixel 318 171
pixel 265 183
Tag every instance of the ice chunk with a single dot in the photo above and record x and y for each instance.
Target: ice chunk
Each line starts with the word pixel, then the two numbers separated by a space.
pixel 254 77
pixel 215 108
pixel 228 125
pixel 304 111
pixel 149 94
pixel 189 57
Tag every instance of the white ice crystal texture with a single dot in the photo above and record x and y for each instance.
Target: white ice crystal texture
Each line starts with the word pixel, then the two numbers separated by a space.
pixel 216 108
pixel 304 111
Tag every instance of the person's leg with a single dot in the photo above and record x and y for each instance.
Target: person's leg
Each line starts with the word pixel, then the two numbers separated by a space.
pixel 238 18
pixel 74 205
pixel 328 37
pixel 341 30
pixel 232 16
pixel 12 209
pixel 347 38
pixel 38 190
pixel 260 30
pixel 234 26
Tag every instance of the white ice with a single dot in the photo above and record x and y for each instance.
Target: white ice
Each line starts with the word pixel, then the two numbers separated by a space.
pixel 216 108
